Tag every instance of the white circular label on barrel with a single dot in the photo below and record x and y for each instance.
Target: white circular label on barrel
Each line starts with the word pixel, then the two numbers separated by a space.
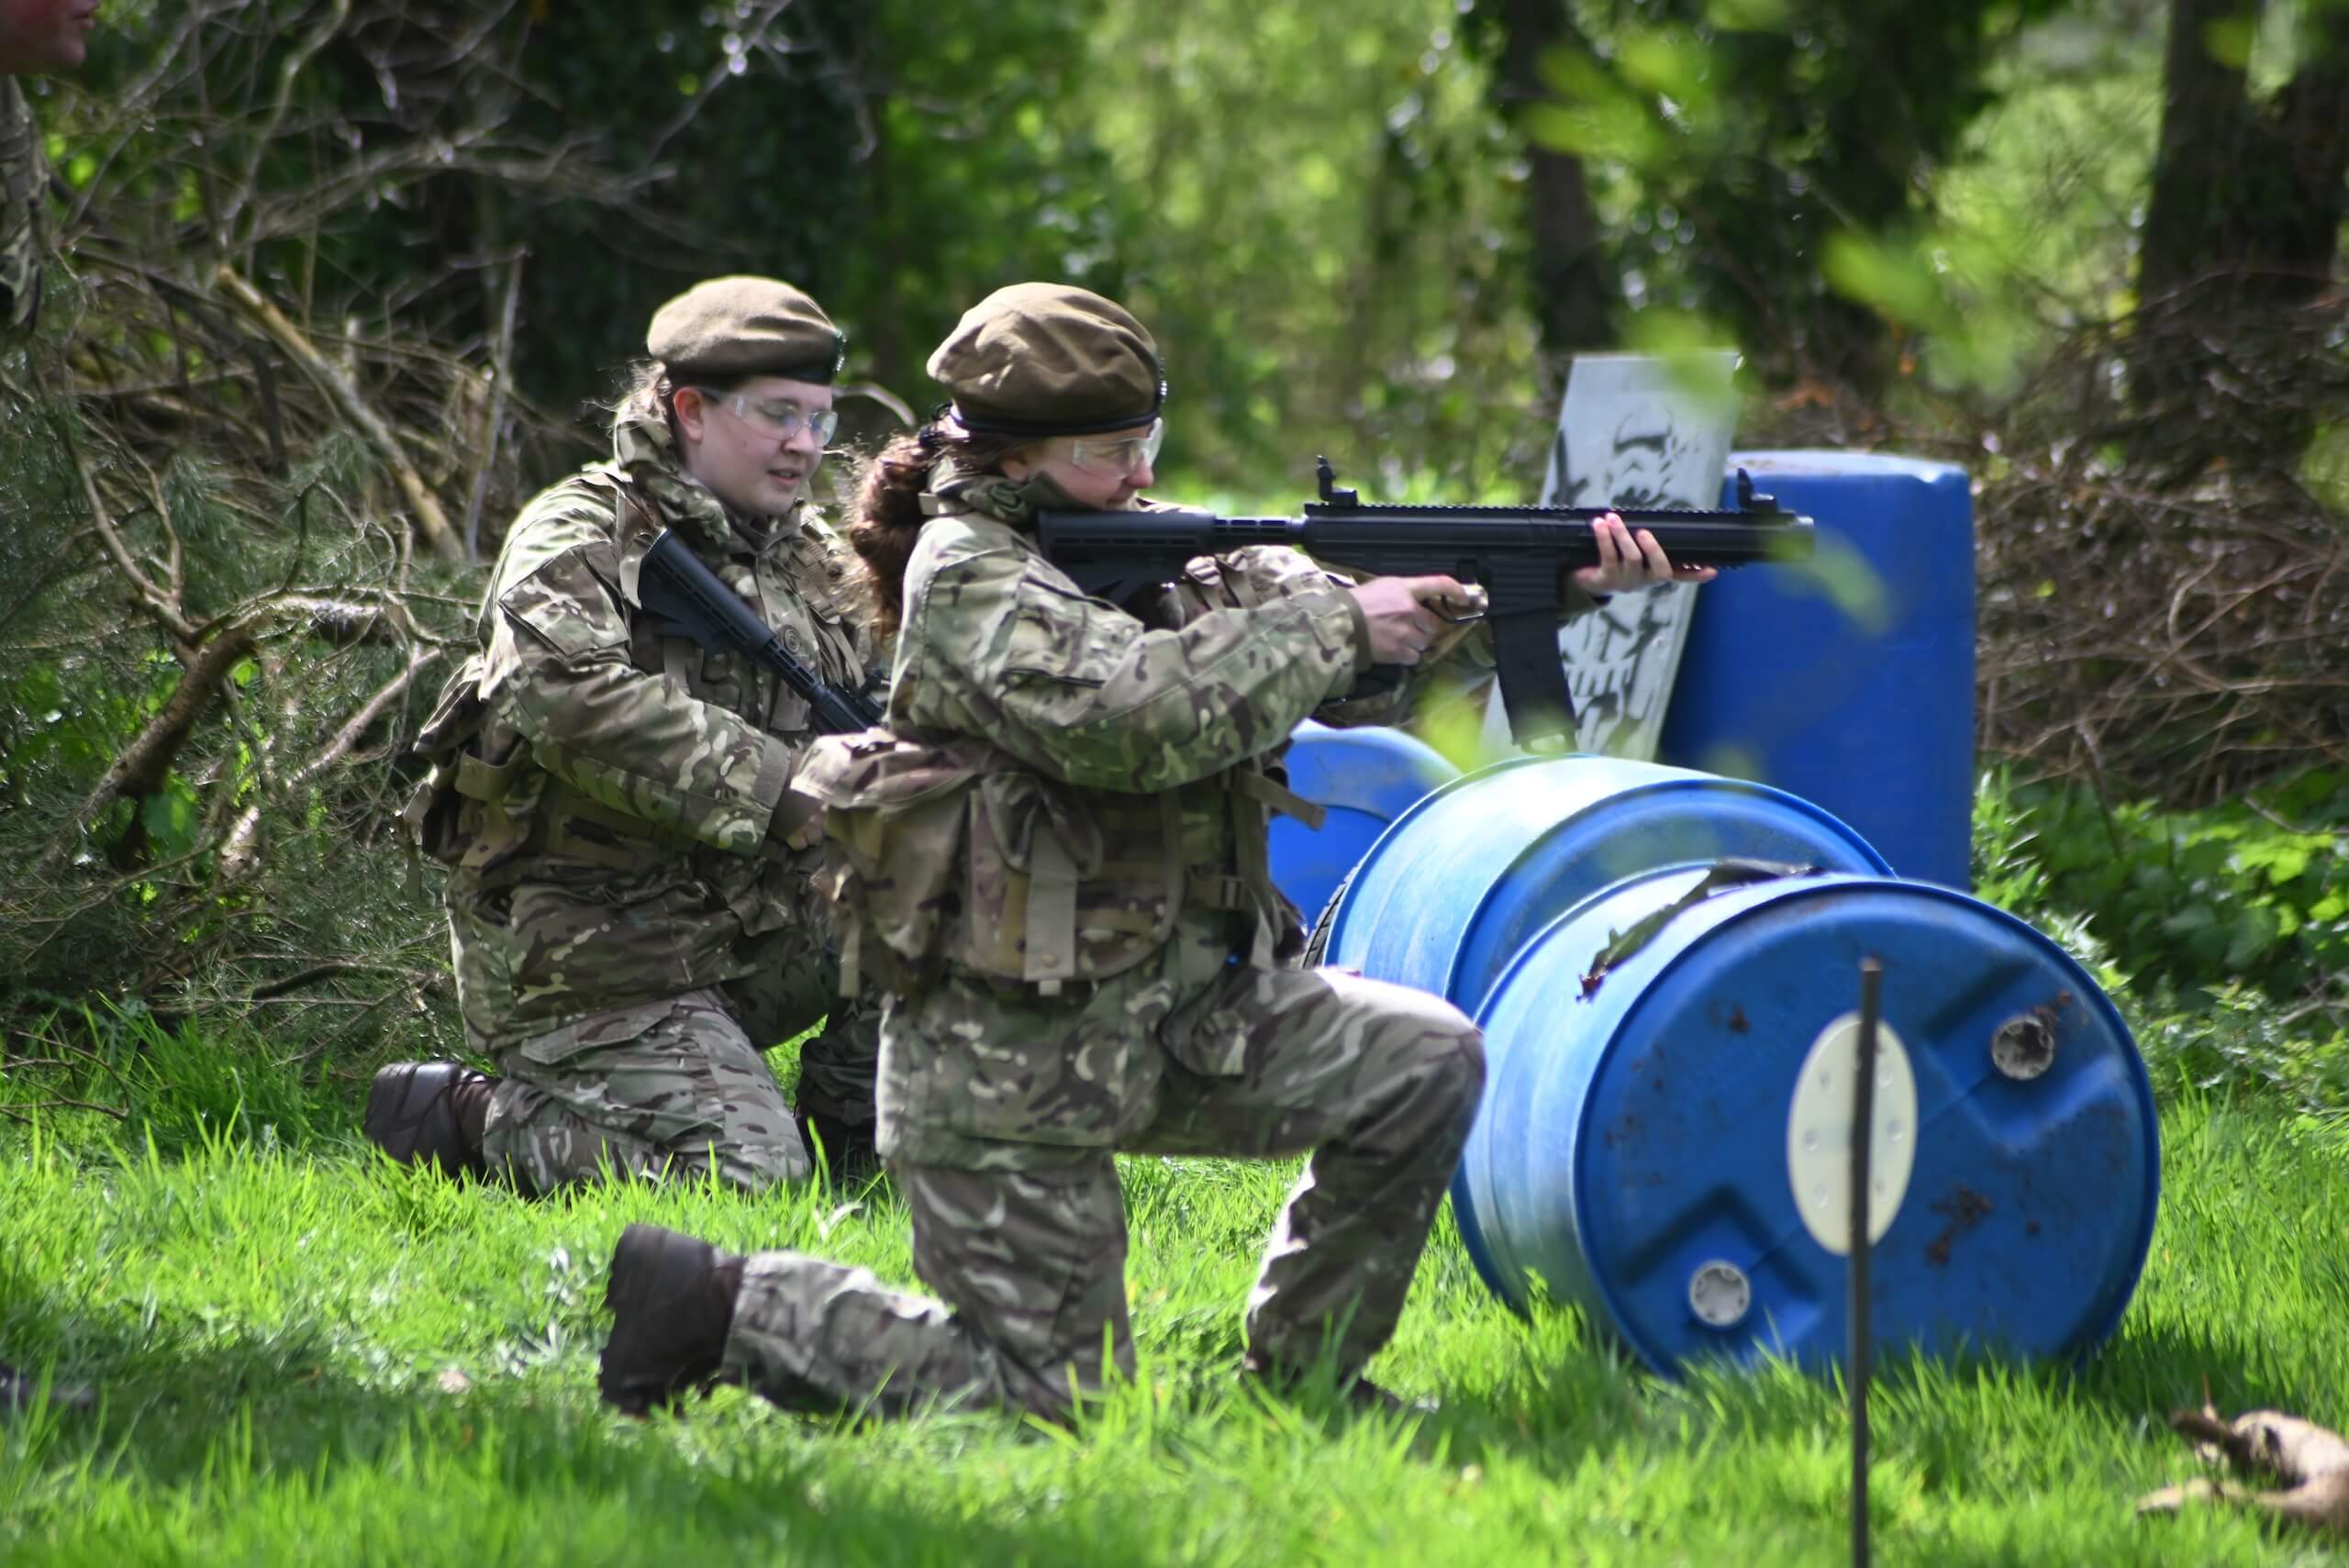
pixel 1819 1133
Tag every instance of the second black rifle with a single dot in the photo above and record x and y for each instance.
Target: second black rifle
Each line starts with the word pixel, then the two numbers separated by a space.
pixel 687 600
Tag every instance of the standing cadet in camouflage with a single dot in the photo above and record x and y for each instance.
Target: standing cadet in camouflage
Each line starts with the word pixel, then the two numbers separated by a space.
pixel 36 37
pixel 1056 852
pixel 630 894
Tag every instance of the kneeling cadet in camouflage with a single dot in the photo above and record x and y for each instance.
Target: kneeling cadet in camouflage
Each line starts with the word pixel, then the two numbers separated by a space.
pixel 631 892
pixel 1056 850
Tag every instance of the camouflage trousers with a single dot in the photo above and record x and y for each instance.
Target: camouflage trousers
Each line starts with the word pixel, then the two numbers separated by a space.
pixel 1379 1082
pixel 677 1086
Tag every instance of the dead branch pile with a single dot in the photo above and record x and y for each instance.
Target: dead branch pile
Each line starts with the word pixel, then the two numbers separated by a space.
pixel 241 527
pixel 254 463
pixel 2177 641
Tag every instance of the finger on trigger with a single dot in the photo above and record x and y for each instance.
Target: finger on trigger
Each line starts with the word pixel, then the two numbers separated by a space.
pixel 1437 589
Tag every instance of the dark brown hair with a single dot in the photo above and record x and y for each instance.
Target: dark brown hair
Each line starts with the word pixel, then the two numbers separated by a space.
pixel 647 389
pixel 888 505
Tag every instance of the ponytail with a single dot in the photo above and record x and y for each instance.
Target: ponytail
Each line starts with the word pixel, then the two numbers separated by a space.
pixel 888 507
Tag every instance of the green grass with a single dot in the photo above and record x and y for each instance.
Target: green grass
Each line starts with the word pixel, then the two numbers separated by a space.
pixel 270 1316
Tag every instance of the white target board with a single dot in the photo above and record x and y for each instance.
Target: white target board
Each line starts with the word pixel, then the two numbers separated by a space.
pixel 1633 430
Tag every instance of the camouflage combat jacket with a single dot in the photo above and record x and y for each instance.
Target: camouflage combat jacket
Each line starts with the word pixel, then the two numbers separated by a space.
pixel 1057 780
pixel 24 173
pixel 602 793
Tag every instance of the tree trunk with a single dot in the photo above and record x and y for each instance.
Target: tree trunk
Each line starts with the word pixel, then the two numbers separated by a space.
pixel 1574 290
pixel 2240 242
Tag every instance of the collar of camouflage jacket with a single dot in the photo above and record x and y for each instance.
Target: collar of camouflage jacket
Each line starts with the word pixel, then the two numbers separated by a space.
pixel 953 488
pixel 644 446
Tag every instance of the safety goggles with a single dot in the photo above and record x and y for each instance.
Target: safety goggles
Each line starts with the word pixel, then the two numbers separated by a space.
pixel 1119 454
pixel 781 420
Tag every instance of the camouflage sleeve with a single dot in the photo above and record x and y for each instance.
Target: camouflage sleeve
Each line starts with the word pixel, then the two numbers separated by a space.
pixel 558 663
pixel 1262 573
pixel 1012 650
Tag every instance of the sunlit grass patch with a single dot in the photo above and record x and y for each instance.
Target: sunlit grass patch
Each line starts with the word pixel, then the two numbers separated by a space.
pixel 304 1354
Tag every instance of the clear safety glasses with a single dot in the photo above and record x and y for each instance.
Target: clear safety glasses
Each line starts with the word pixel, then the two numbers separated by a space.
pixel 1117 454
pixel 779 420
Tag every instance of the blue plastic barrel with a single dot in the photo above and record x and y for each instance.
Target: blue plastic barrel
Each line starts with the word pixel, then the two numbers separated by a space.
pixel 1662 1144
pixel 1469 873
pixel 1865 709
pixel 1365 778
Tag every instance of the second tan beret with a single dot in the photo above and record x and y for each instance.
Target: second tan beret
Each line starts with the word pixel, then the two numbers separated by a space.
pixel 726 327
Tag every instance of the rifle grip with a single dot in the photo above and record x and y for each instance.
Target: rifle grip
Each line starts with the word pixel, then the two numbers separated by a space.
pixel 1534 678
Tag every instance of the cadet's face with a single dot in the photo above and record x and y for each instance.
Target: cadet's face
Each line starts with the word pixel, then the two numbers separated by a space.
pixel 736 444
pixel 1090 481
pixel 44 35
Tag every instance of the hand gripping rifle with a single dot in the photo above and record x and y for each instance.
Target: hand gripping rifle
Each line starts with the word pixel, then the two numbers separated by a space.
pixel 686 600
pixel 1521 555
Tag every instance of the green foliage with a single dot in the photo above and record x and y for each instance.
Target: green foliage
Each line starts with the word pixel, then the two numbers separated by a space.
pixel 2047 178
pixel 2008 871
pixel 2252 892
pixel 1771 166
pixel 1323 238
pixel 2233 1040
pixel 175 1088
pixel 982 164
pixel 2222 933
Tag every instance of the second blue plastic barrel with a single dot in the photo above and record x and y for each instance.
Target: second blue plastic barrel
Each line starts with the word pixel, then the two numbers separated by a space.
pixel 1647 1147
pixel 1863 706
pixel 1469 873
pixel 1365 778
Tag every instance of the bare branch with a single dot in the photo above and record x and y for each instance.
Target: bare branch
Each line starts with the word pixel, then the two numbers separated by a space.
pixel 354 408
pixel 162 604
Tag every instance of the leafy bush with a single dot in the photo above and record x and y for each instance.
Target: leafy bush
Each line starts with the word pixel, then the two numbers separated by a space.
pixel 2223 934
pixel 2231 1040
pixel 2253 892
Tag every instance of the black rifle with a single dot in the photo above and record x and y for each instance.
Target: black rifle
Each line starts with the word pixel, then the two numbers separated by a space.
pixel 687 600
pixel 1520 554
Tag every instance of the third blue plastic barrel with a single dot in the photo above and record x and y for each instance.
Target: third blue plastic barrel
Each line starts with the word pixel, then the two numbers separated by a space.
pixel 1664 1137
pixel 1365 778
pixel 1860 699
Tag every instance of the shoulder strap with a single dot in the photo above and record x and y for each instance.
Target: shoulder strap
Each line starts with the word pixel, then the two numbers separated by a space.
pixel 1052 912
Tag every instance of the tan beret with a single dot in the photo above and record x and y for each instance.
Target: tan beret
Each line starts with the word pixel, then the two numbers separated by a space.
pixel 733 326
pixel 1050 359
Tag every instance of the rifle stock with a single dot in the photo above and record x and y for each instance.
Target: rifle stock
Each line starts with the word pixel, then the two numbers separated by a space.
pixel 1520 554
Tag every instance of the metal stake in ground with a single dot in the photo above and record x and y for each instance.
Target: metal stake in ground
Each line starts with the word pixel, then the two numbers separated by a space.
pixel 1863 1135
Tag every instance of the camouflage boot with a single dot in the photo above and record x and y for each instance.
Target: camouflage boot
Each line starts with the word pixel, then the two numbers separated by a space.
pixel 431 1112
pixel 847 1148
pixel 672 1300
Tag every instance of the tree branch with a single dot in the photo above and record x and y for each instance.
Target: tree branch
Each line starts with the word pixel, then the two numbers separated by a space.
pixel 345 393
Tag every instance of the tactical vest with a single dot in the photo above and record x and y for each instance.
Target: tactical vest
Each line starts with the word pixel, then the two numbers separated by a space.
pixel 954 853
pixel 487 809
